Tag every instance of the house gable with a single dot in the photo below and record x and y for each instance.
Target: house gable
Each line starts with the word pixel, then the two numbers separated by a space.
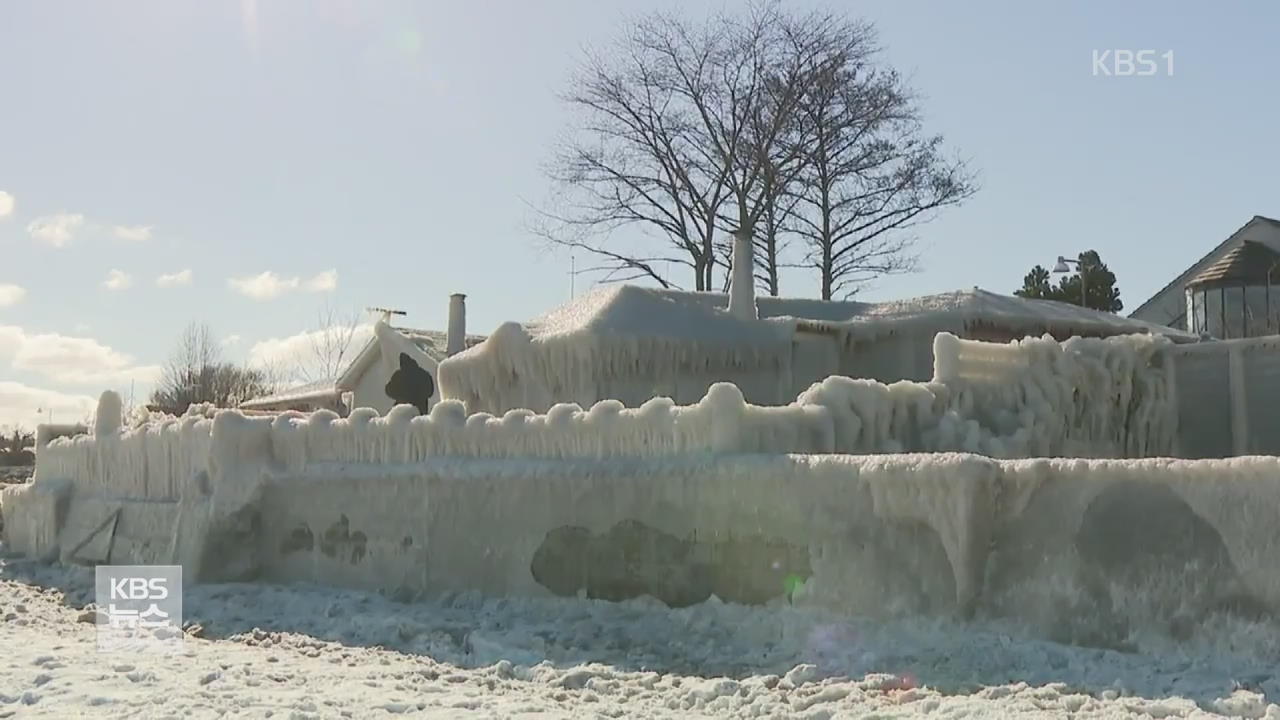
pixel 1169 305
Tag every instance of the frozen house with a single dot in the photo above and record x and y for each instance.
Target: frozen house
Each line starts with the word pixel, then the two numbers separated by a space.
pixel 632 343
pixel 365 382
pixel 1227 293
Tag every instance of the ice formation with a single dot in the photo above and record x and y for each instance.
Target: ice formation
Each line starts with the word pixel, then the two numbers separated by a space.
pixel 1030 398
pixel 707 489
pixel 634 343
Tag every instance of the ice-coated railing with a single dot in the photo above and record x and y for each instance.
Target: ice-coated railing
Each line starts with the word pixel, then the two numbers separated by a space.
pixel 1225 394
pixel 1099 397
pixel 148 462
pixel 722 422
pixel 1032 398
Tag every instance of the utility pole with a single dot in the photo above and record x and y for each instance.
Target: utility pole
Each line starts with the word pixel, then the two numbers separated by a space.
pixel 1081 269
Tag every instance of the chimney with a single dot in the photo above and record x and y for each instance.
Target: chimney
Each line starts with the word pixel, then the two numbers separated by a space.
pixel 457 324
pixel 742 286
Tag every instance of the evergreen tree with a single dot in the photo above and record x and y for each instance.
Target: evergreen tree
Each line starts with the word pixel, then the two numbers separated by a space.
pixel 1098 279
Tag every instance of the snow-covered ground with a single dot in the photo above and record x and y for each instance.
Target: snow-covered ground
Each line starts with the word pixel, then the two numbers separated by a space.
pixel 312 652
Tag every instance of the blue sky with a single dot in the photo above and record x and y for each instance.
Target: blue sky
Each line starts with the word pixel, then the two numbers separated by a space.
pixel 397 143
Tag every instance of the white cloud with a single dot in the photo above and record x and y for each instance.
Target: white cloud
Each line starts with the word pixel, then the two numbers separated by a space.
pixel 132 233
pixel 11 295
pixel 178 279
pixel 326 281
pixel 72 360
pixel 289 352
pixel 268 285
pixel 56 230
pixel 6 204
pixel 264 286
pixel 230 340
pixel 26 406
pixel 117 280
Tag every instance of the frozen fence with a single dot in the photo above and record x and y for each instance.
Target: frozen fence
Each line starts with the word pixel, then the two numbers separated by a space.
pixel 721 422
pixel 1036 397
pixel 150 462
pixel 1125 396
pixel 1086 397
pixel 1226 397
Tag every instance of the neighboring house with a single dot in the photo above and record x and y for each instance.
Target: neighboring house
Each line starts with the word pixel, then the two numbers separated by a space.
pixel 323 395
pixel 367 377
pixel 364 382
pixel 1227 293
pixel 632 343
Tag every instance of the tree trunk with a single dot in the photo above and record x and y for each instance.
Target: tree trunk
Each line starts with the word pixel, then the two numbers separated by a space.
pixel 771 259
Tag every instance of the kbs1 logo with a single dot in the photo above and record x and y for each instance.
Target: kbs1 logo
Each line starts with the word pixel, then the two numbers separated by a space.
pixel 1132 63
pixel 139 608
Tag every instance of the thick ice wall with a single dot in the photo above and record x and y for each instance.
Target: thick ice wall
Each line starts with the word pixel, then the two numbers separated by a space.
pixel 681 502
pixel 513 369
pixel 1087 551
pixel 33 515
pixel 1040 398
pixel 150 461
pixel 721 422
pixel 1034 397
pixel 876 535
pixel 1112 552
pixel 1224 391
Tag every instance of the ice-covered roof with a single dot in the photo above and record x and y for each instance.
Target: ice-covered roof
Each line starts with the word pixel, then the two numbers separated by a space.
pixel 594 345
pixel 320 390
pixel 433 343
pixel 977 307
pixel 625 310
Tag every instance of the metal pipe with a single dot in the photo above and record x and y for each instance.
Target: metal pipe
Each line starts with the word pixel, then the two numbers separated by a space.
pixel 1244 311
pixel 1222 310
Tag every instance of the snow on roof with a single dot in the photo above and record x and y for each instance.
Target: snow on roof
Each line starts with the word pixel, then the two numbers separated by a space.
pixel 583 348
pixel 648 312
pixel 977 307
pixel 320 390
pixel 432 343
pixel 628 310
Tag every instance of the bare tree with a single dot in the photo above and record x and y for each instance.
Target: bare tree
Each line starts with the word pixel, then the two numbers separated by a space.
pixel 196 373
pixel 773 236
pixel 743 77
pixel 329 350
pixel 688 128
pixel 635 160
pixel 870 173
pixel 764 125
pixel 16 447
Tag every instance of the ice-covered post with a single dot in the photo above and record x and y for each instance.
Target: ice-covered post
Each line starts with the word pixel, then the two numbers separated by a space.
pixel 726 405
pixel 742 285
pixel 457 337
pixel 109 416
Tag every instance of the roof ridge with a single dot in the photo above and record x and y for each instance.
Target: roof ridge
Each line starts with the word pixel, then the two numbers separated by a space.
pixel 1178 278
